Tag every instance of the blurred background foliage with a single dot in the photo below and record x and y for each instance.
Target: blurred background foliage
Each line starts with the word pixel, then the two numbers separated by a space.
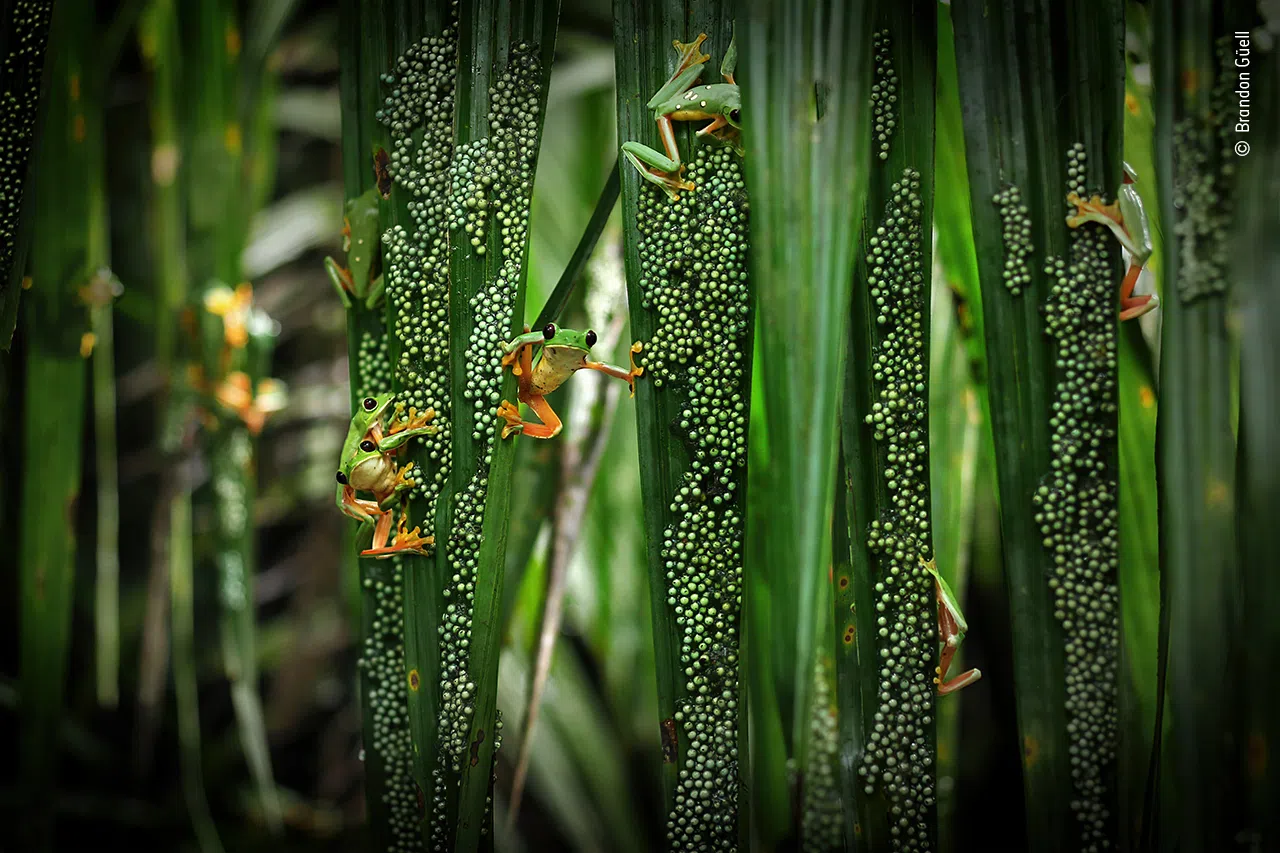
pixel 263 203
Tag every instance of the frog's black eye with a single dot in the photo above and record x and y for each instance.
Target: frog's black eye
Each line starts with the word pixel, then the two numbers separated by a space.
pixel 591 338
pixel 549 331
pixel 369 404
pixel 342 478
pixel 367 446
pixel 733 116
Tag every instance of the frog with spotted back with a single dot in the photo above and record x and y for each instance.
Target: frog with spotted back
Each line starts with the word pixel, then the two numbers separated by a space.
pixel 368 465
pixel 680 100
pixel 361 232
pixel 562 352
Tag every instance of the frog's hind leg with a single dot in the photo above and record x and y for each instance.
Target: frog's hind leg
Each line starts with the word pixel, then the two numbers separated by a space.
pixel 406 541
pixel 947 627
pixel 1132 307
pixel 730 61
pixel 650 163
pixel 549 428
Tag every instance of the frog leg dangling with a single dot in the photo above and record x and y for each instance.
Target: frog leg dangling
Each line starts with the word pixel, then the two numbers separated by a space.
pixel 948 630
pixel 406 541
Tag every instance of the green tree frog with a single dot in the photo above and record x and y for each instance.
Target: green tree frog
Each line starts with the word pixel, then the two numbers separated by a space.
pixel 367 465
pixel 1127 219
pixel 951 631
pixel 360 236
pixel 721 103
pixel 561 353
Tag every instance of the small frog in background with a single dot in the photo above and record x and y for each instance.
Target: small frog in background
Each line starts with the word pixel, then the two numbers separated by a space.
pixel 361 232
pixel 1127 219
pixel 562 352
pixel 368 465
pixel 951 631
pixel 680 100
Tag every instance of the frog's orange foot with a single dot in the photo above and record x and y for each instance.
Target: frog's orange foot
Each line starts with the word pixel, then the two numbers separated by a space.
pixel 403 481
pixel 406 542
pixel 690 52
pixel 635 370
pixel 673 182
pixel 511 414
pixel 414 419
pixel 1092 210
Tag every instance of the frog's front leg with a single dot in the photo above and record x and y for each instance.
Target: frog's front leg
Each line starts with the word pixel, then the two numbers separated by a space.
pixel 418 424
pixel 402 483
pixel 375 293
pixel 341 279
pixel 629 376
pixel 515 350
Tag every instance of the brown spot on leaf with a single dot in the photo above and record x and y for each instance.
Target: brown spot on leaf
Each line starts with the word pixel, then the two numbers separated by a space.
pixel 1030 751
pixel 844 581
pixel 1256 756
pixel 670 741
pixel 848 635
pixel 380 172
pixel 415 680
pixel 475 747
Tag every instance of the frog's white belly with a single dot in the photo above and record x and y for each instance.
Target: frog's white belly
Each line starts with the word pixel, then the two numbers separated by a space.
pixel 555 366
pixel 376 475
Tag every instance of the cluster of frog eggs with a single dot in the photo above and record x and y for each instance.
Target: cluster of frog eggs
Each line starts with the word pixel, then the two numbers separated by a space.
pixel 1077 505
pixel 18 107
pixel 1202 200
pixel 897 758
pixel 1015 228
pixel 381 665
pixel 418 112
pixel 823 808
pixel 884 94
pixel 373 365
pixel 693 256
pixel 493 184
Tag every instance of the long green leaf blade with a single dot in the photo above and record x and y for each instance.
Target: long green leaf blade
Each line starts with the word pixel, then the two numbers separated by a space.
pixel 1195 445
pixel 1028 118
pixel 805 132
pixel 53 435
pixel 885 433
pixel 689 297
